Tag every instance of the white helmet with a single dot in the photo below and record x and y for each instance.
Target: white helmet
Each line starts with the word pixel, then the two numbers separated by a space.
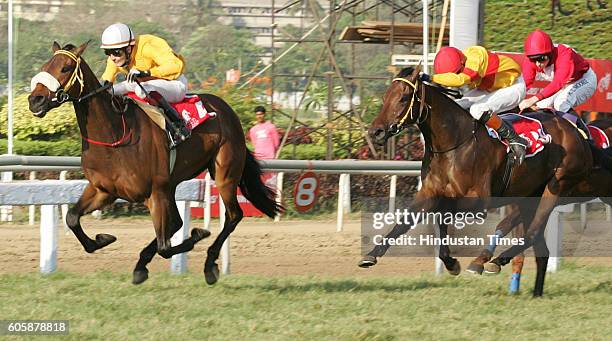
pixel 117 36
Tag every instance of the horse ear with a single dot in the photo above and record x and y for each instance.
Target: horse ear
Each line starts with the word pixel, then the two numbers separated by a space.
pixel 56 46
pixel 82 48
pixel 416 71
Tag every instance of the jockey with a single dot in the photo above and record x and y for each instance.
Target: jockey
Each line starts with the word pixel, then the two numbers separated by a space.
pixel 572 81
pixel 152 59
pixel 492 83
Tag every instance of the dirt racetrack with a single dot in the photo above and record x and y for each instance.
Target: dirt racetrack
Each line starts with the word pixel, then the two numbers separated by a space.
pixel 258 247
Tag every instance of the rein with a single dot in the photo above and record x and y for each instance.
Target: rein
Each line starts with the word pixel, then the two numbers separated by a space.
pixel 427 107
pixel 63 96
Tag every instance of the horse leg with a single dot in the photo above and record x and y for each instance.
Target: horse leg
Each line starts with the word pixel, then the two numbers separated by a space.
pixel 167 222
pixel 503 228
pixel 451 264
pixel 90 200
pixel 233 215
pixel 517 262
pixel 537 226
pixel 421 203
pixel 542 254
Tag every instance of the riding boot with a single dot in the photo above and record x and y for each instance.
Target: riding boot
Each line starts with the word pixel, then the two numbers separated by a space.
pixel 178 131
pixel 518 145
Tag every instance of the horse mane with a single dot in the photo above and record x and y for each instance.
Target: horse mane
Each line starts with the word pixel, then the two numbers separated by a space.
pixel 405 72
pixel 69 47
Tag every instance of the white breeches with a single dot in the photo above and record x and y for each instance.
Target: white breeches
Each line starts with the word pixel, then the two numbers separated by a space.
pixel 572 94
pixel 173 91
pixel 481 101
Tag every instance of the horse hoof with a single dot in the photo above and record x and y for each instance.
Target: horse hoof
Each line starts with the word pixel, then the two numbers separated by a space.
pixel 475 268
pixel 199 234
pixel 367 262
pixel 140 276
pixel 492 268
pixel 212 275
pixel 456 269
pixel 104 239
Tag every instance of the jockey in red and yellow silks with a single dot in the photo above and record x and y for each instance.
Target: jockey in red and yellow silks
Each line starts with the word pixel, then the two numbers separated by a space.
pixel 144 57
pixel 491 84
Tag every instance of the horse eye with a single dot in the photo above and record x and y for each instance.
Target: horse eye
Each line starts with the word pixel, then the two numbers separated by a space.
pixel 66 68
pixel 404 98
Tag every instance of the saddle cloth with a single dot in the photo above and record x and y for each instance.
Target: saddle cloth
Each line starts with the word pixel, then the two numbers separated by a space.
pixel 599 137
pixel 528 128
pixel 191 109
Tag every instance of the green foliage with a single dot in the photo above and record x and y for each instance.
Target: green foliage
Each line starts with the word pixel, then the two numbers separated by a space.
pixel 58 123
pixel 208 53
pixel 303 152
pixel 68 147
pixel 507 23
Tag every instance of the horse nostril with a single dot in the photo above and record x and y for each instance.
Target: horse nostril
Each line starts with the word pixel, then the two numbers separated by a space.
pixel 36 102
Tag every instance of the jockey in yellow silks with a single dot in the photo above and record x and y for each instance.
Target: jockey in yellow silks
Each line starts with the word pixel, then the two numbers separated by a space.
pixel 146 56
pixel 492 83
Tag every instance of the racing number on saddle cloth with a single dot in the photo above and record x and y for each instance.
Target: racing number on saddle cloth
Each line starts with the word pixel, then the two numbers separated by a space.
pixel 306 192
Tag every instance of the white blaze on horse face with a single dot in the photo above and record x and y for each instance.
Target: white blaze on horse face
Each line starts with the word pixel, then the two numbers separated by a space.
pixel 45 79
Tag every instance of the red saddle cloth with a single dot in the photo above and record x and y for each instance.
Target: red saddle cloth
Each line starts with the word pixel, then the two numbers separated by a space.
pixel 599 137
pixel 529 129
pixel 191 109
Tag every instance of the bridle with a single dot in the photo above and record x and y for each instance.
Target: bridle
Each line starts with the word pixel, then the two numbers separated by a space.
pixel 62 95
pixel 396 128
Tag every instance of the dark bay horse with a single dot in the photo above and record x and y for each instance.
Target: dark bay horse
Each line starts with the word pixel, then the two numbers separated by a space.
pixel 125 155
pixel 462 161
pixel 597 185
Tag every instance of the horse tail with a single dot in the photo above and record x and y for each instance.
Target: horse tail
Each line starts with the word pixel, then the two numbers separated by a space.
pixel 262 196
pixel 601 158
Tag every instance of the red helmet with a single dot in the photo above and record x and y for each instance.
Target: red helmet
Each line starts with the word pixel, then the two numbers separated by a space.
pixel 448 59
pixel 538 42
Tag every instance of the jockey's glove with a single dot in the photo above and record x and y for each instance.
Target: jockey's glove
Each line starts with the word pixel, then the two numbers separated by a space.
pixel 135 73
pixel 425 77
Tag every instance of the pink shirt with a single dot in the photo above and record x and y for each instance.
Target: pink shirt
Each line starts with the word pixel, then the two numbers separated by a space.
pixel 265 139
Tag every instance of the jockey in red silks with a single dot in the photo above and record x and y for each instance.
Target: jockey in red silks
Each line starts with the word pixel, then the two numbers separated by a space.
pixel 146 56
pixel 572 81
pixel 492 84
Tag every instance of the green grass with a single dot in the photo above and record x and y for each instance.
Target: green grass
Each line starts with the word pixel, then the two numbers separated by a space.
pixel 106 306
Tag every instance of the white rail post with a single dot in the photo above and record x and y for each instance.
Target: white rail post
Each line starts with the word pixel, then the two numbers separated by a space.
pixel 347 193
pixel 554 236
pixel 64 207
pixel 6 211
pixel 225 251
pixel 178 264
pixel 279 193
pixel 207 203
pixel 340 216
pixel 583 216
pixel 48 238
pixel 392 193
pixel 32 208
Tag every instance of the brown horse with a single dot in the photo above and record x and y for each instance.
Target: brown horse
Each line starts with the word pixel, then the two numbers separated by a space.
pixel 125 155
pixel 462 161
pixel 597 185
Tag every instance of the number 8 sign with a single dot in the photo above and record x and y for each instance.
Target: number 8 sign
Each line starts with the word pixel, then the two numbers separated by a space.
pixel 306 191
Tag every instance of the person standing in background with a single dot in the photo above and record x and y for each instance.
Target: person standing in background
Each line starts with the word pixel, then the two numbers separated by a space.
pixel 264 136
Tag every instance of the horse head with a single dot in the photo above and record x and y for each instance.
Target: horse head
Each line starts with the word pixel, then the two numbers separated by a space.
pixel 60 79
pixel 398 110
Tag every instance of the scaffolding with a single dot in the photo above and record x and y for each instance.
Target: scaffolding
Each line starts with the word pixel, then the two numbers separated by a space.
pixel 397 11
